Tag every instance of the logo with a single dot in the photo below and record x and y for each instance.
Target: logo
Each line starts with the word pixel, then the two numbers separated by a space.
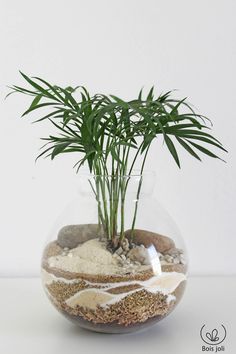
pixel 213 338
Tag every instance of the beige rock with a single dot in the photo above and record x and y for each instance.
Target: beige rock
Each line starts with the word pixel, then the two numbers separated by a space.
pixel 148 238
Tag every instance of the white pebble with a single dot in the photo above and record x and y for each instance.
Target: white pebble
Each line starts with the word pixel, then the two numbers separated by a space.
pixel 176 260
pixel 169 259
pixel 119 251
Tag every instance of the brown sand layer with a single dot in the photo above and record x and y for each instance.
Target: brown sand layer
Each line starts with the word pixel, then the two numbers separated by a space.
pixel 124 289
pixel 98 278
pixel 62 291
pixel 134 308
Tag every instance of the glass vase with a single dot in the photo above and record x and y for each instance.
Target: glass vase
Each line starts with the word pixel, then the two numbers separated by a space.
pixel 115 261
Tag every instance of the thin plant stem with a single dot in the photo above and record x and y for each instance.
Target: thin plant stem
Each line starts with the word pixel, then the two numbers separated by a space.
pixel 138 193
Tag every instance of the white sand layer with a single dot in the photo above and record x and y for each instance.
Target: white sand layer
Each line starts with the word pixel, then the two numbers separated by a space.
pixel 91 257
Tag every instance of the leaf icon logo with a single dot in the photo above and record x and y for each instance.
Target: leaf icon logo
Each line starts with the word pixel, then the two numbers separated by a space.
pixel 213 336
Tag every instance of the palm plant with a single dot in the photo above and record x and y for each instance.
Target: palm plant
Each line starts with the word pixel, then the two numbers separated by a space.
pixel 112 136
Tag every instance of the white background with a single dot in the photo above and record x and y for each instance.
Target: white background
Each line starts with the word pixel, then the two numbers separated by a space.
pixel 118 47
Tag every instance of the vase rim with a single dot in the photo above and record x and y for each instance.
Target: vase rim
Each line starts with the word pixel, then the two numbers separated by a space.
pixel 135 173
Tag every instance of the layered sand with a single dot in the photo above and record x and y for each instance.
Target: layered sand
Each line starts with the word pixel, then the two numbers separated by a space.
pixel 89 283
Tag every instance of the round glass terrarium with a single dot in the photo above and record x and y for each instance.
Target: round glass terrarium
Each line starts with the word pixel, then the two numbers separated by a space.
pixel 115 261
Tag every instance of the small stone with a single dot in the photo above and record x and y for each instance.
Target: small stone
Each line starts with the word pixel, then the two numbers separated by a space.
pixel 125 244
pixel 71 236
pixel 139 254
pixel 174 251
pixel 169 259
pixel 176 260
pixel 148 238
pixel 119 251
pixel 123 257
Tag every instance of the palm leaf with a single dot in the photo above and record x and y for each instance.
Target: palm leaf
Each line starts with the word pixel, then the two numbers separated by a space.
pixel 188 148
pixel 204 150
pixel 172 149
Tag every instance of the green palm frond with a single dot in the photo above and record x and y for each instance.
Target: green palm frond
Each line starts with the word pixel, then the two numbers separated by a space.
pixel 96 126
pixel 103 130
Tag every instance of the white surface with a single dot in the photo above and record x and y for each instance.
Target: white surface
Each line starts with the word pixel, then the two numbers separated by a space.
pixel 29 324
pixel 118 47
